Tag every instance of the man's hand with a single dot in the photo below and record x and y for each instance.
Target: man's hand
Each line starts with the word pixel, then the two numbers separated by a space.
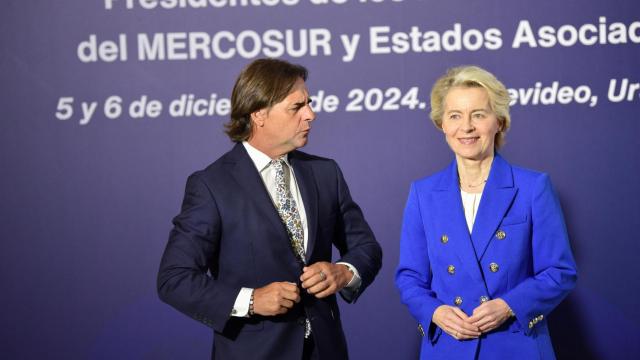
pixel 275 299
pixel 455 322
pixel 323 279
pixel 490 315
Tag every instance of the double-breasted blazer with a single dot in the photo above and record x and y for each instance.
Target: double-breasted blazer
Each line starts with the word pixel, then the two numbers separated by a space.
pixel 228 235
pixel 518 250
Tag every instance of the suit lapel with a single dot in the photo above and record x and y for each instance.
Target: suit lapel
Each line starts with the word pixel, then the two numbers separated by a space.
pixel 245 173
pixel 447 198
pixel 309 193
pixel 496 199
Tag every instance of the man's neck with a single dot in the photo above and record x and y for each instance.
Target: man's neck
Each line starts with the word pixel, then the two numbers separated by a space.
pixel 271 151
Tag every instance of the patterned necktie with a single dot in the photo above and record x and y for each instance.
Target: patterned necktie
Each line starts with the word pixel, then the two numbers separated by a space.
pixel 288 211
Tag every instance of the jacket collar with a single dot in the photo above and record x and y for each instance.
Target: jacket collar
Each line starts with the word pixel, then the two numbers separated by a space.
pixel 497 197
pixel 246 174
pixel 500 175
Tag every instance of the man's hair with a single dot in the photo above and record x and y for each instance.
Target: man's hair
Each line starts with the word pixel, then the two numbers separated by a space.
pixel 262 84
pixel 473 76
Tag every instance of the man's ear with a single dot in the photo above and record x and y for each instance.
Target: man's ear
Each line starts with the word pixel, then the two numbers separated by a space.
pixel 259 117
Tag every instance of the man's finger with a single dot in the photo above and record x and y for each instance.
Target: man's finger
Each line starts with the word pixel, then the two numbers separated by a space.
pixel 289 290
pixel 324 293
pixel 289 286
pixel 306 274
pixel 291 296
pixel 286 303
pixel 319 287
pixel 313 270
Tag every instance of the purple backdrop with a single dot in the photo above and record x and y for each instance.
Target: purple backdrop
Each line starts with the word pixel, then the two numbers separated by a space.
pixel 87 192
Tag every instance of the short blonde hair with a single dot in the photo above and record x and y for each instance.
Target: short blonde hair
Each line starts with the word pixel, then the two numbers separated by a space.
pixel 473 76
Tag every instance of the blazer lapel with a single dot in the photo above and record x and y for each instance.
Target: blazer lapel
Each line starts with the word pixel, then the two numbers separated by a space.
pixel 447 198
pixel 309 193
pixel 497 197
pixel 245 173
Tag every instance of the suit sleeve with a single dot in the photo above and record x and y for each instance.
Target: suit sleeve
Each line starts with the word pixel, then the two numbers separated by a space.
pixel 354 239
pixel 554 269
pixel 413 276
pixel 192 249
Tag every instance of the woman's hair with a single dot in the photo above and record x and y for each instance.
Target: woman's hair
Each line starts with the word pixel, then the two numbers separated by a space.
pixel 473 76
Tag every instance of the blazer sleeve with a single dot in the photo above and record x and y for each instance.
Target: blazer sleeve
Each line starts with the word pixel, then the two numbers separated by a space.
pixel 554 270
pixel 413 276
pixel 354 239
pixel 191 251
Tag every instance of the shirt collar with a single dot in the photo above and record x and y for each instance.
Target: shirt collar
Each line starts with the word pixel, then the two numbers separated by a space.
pixel 260 159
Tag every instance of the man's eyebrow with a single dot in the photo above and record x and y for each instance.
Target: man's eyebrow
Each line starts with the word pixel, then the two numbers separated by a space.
pixel 302 103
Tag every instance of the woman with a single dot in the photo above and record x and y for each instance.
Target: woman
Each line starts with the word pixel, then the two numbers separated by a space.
pixel 484 254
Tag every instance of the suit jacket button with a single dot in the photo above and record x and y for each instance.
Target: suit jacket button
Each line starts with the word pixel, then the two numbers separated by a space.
pixel 493 267
pixel 444 238
pixel 451 269
pixel 530 324
pixel 458 300
pixel 484 299
pixel 500 234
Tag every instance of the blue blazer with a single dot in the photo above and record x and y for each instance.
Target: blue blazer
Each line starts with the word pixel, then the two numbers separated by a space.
pixel 229 235
pixel 518 250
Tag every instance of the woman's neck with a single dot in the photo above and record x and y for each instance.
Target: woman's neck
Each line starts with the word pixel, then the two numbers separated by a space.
pixel 473 174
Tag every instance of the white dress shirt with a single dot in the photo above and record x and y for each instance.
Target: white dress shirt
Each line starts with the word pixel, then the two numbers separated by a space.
pixel 263 164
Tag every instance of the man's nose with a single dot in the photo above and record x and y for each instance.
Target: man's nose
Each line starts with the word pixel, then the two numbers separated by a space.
pixel 309 115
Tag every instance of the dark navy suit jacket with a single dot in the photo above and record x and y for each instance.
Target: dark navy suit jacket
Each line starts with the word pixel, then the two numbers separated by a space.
pixel 228 235
pixel 518 250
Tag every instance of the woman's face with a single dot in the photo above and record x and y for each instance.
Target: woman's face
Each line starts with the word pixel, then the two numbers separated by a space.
pixel 469 124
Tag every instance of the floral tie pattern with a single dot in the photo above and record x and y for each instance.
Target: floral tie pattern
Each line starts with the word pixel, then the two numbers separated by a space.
pixel 288 211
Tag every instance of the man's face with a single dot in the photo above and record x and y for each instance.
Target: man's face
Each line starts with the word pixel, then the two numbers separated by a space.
pixel 286 125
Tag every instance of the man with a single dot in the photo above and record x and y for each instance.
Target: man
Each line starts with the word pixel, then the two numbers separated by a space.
pixel 250 252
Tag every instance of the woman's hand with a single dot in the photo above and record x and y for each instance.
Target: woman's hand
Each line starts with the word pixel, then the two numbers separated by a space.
pixel 490 315
pixel 455 322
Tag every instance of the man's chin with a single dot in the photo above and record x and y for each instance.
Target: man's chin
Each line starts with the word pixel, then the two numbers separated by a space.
pixel 302 141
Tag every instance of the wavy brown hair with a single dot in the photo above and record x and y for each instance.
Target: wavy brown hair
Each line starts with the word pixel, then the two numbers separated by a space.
pixel 262 84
